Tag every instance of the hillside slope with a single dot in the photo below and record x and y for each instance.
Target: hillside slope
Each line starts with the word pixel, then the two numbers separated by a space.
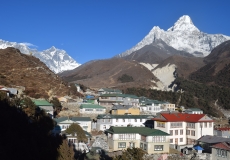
pixel 19 69
pixel 106 73
pixel 217 68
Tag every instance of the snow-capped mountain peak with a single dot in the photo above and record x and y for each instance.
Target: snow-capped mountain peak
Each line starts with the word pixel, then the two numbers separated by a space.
pixel 183 36
pixel 184 23
pixel 56 59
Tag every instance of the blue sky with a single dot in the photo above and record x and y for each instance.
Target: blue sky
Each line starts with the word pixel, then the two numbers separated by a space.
pixel 100 29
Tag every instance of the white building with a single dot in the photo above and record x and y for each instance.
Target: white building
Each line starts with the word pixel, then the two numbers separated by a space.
pixel 184 128
pixel 92 109
pixel 193 111
pixel 109 100
pixel 65 122
pixel 155 106
pixel 106 121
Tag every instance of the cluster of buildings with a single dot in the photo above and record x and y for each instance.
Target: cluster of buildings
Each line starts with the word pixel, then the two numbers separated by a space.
pixel 152 125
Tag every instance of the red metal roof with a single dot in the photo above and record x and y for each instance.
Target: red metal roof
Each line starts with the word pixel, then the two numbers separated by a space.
pixel 222 145
pixel 181 117
pixel 223 129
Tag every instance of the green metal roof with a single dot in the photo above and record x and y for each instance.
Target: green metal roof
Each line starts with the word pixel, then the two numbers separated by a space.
pixel 61 119
pixel 194 109
pixel 145 131
pixel 91 106
pixel 41 103
pixel 119 95
pixel 125 116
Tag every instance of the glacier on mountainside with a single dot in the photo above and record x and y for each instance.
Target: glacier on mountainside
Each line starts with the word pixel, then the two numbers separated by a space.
pixel 183 36
pixel 56 59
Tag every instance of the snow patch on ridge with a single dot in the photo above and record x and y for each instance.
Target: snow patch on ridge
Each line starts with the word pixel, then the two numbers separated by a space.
pixel 56 59
pixel 183 36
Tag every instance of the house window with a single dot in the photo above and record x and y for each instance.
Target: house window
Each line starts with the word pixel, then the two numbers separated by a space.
pixel 123 120
pixel 191 125
pixel 121 144
pixel 140 120
pixel 88 109
pixel 221 153
pixel 171 132
pixel 188 132
pixel 205 124
pixel 181 132
pixel 109 120
pixel 141 145
pixel 193 133
pixel 159 139
pixel 116 120
pixel 99 110
pixel 158 147
pixel 210 124
pixel 181 139
pixel 135 120
pixel 176 124
pixel 171 140
pixel 176 132
pixel 145 146
pixel 161 124
pixel 103 120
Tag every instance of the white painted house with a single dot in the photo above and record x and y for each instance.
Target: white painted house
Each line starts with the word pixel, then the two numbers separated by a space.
pixel 150 140
pixel 155 106
pixel 193 111
pixel 109 100
pixel 106 121
pixel 92 109
pixel 184 128
pixel 65 122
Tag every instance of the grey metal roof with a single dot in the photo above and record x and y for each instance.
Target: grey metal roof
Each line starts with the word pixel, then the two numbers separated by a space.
pixel 115 107
pixel 213 139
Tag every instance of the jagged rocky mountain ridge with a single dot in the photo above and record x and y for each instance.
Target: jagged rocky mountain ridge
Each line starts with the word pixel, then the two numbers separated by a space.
pixel 56 59
pixel 183 36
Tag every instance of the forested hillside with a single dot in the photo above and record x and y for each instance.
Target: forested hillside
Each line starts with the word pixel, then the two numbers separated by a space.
pixel 193 95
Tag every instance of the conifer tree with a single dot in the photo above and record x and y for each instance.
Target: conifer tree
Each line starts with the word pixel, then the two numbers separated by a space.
pixel 76 129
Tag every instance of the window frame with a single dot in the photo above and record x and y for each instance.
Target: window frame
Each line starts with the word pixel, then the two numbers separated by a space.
pixel 121 146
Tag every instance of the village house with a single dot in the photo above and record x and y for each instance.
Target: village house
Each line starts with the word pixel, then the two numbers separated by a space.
pixel 193 111
pixel 222 132
pixel 109 100
pixel 65 122
pixel 125 109
pixel 166 106
pixel 92 109
pixel 154 106
pixel 184 129
pixel 209 143
pixel 150 140
pixel 44 105
pixel 105 121
pixel 109 91
pixel 221 151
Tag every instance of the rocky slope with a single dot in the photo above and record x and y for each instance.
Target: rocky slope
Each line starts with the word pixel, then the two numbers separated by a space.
pixel 19 69
pixel 106 73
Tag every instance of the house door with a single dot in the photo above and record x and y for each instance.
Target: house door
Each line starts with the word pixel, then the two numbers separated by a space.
pixel 176 140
